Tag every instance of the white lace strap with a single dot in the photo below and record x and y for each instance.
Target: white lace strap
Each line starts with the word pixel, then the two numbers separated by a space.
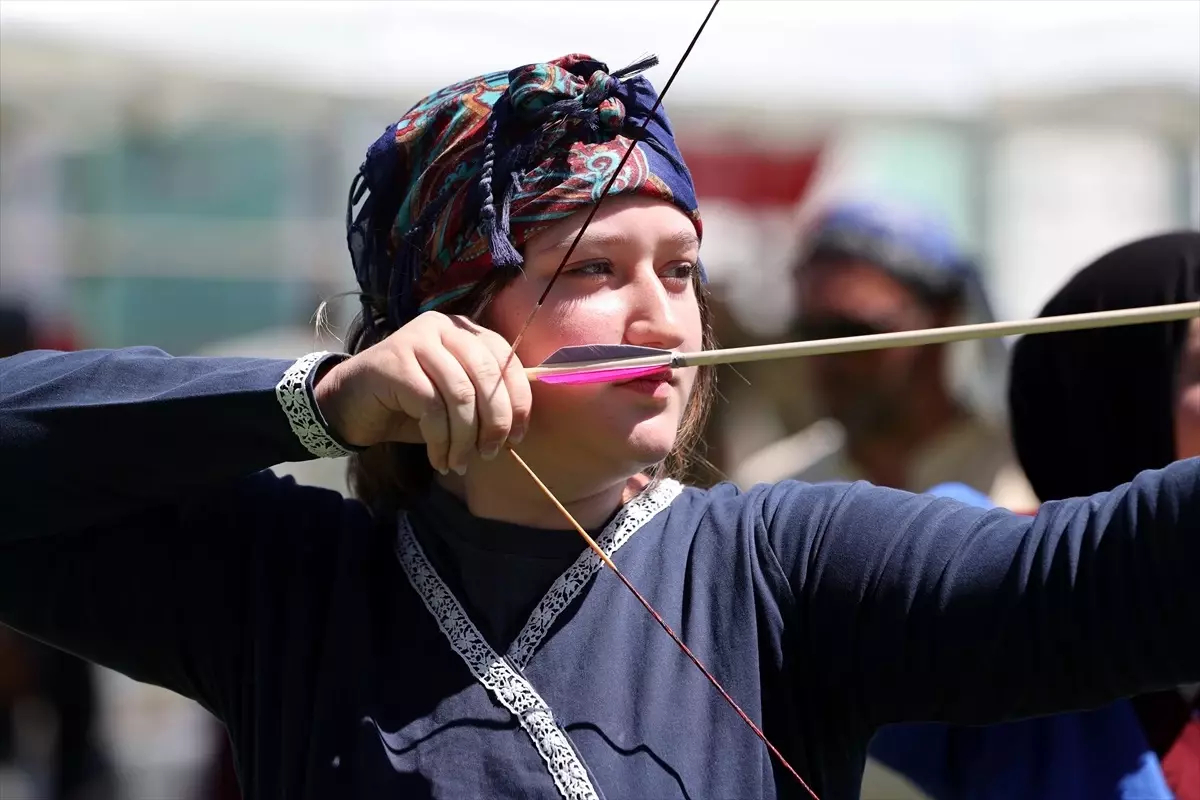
pixel 295 394
pixel 502 679
pixel 568 585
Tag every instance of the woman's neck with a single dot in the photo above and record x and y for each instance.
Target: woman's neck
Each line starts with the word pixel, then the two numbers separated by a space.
pixel 501 490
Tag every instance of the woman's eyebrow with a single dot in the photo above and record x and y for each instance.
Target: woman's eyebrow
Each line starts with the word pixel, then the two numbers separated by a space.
pixel 682 238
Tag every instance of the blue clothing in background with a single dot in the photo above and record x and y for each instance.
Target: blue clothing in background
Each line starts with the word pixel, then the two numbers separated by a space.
pixel 1089 755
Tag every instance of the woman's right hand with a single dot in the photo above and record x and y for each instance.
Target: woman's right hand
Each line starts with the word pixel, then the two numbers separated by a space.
pixel 441 380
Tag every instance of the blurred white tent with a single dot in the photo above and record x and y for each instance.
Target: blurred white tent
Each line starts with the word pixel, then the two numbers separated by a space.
pixel 930 56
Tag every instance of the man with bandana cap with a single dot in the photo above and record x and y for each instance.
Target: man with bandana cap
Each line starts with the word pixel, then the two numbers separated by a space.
pixel 894 416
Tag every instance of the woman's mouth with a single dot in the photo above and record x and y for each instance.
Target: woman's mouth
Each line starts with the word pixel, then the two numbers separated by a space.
pixel 656 384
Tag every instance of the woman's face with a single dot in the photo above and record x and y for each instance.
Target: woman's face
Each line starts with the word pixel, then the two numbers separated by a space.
pixel 1187 400
pixel 629 281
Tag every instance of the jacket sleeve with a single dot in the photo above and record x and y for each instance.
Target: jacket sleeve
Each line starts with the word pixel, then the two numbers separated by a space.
pixel 138 529
pixel 90 435
pixel 917 608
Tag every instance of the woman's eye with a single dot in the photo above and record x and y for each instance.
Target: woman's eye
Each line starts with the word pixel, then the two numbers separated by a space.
pixel 683 271
pixel 593 268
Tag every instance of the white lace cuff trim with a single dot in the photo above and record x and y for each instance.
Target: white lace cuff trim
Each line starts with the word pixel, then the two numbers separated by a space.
pixel 295 394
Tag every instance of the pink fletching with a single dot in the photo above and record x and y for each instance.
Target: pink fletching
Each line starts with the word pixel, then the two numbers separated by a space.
pixel 612 375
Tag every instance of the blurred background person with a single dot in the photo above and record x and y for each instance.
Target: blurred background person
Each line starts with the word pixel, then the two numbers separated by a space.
pixel 56 753
pixel 1089 409
pixel 895 417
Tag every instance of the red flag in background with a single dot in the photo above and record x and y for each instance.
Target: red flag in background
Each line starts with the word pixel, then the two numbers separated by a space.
pixel 734 172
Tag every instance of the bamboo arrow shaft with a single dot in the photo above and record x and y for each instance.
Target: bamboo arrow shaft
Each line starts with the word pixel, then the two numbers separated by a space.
pixel 853 344
pixel 958 333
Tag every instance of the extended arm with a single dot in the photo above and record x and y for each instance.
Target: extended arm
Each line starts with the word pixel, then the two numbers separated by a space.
pixel 89 436
pixel 137 530
pixel 921 608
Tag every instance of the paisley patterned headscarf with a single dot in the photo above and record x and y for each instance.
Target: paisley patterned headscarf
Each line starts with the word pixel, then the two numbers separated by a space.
pixel 473 171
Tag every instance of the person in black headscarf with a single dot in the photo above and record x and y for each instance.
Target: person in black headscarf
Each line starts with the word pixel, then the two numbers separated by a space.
pixel 1094 408
pixel 1123 381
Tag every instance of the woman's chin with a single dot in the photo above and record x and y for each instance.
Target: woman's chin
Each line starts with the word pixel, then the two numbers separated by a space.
pixel 615 442
pixel 651 443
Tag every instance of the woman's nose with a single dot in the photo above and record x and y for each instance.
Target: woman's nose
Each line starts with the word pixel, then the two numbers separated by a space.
pixel 653 317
